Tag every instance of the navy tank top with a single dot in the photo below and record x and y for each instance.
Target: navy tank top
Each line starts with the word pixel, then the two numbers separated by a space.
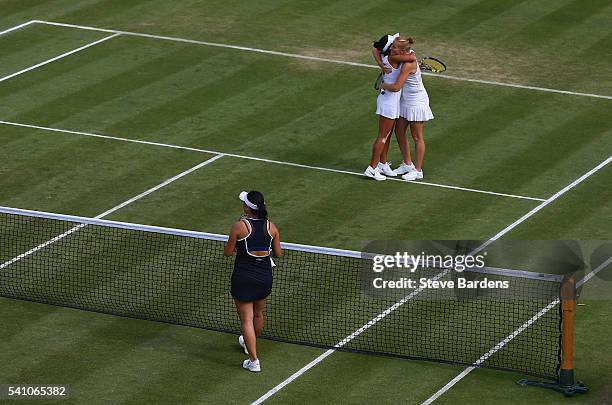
pixel 258 240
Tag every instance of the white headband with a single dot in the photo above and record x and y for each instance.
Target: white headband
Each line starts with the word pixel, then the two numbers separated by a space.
pixel 390 39
pixel 243 197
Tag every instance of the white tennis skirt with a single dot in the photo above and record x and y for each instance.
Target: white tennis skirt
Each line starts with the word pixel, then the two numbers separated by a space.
pixel 415 107
pixel 416 112
pixel 388 104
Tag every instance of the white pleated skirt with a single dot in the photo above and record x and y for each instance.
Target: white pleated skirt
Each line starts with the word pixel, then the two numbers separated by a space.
pixel 416 112
pixel 415 107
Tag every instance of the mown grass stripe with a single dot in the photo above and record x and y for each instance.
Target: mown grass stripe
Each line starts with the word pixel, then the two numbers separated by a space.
pixel 526 169
pixel 20 10
pixel 209 92
pixel 81 174
pixel 316 125
pixel 79 49
pixel 559 21
pixel 585 214
pixel 246 114
pixel 319 59
pixel 94 10
pixel 56 343
pixel 470 16
pixel 162 86
pixel 113 70
pixel 38 42
pixel 263 160
pixel 125 79
pixel 465 137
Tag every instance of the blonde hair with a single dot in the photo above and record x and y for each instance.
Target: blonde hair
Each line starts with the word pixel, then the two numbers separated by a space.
pixel 405 42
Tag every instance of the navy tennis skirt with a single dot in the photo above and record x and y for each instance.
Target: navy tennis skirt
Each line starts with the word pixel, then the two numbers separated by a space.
pixel 251 279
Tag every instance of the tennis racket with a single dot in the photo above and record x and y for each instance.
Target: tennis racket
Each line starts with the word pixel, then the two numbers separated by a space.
pixel 432 64
pixel 378 82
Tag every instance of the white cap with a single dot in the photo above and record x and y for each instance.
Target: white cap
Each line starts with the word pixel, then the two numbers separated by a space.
pixel 243 197
pixel 390 40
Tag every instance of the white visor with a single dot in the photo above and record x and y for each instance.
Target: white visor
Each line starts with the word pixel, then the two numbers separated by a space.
pixel 244 199
pixel 390 40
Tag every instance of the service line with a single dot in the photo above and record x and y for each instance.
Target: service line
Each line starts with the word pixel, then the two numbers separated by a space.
pixel 58 57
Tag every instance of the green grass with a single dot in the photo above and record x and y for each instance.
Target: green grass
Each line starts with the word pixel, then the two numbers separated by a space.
pixel 297 195
pixel 81 175
pixel 486 137
pixel 37 43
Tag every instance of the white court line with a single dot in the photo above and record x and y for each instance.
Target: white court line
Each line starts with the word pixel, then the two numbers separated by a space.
pixel 520 86
pixel 593 273
pixel 108 212
pixel 491 352
pixel 548 201
pixel 17 27
pixel 503 232
pixel 159 186
pixel 399 303
pixel 344 341
pixel 314 58
pixel 165 145
pixel 58 57
pixel 511 336
pixel 213 44
pixel 41 246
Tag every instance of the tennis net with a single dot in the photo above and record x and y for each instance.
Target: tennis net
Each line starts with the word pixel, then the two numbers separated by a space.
pixel 181 277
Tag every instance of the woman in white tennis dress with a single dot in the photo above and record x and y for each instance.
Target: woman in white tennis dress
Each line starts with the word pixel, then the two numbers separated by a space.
pixel 414 111
pixel 387 108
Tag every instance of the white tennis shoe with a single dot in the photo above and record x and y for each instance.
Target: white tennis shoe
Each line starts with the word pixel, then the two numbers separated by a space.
pixel 415 175
pixel 374 174
pixel 242 344
pixel 253 366
pixel 404 168
pixel 385 168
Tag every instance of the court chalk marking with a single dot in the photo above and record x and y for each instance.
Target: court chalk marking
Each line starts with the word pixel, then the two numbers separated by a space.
pixel 108 212
pixel 416 292
pixel 18 27
pixel 165 145
pixel 318 59
pixel 58 57
pixel 501 344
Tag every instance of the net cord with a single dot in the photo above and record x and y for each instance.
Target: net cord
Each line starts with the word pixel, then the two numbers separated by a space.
pixel 223 238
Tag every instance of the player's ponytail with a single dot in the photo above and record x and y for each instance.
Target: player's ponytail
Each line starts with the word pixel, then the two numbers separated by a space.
pixel 262 211
pixel 257 198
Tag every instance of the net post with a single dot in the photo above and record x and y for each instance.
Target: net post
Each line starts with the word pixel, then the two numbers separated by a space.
pixel 566 382
pixel 568 307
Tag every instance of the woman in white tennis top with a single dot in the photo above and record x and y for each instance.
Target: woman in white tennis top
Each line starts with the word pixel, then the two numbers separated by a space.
pixel 387 108
pixel 414 112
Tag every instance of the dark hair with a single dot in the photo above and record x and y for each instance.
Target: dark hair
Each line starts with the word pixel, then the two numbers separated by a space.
pixel 380 45
pixel 258 199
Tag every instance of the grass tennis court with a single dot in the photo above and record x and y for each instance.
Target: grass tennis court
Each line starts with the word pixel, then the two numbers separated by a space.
pixel 88 133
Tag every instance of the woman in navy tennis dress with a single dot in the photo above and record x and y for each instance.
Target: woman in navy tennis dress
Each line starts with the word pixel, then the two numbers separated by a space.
pixel 255 239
